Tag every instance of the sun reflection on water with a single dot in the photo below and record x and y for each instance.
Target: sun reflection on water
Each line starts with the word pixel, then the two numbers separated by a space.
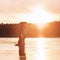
pixel 41 49
pixel 38 49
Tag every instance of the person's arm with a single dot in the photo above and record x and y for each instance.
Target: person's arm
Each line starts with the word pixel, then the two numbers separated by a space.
pixel 17 43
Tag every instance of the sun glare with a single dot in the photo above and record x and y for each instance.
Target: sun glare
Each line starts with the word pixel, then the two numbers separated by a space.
pixel 39 16
pixel 41 25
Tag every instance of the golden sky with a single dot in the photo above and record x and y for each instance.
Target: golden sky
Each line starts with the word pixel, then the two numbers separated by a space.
pixel 15 11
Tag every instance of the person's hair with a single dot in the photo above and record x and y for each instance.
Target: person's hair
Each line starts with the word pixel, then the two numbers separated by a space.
pixel 23 23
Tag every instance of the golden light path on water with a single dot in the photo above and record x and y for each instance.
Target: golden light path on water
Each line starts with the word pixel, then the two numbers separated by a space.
pixel 39 52
pixel 43 49
pixel 40 49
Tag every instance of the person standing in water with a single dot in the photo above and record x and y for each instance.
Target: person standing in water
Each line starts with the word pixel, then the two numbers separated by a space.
pixel 21 41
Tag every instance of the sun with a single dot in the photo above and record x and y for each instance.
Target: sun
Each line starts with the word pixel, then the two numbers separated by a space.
pixel 38 15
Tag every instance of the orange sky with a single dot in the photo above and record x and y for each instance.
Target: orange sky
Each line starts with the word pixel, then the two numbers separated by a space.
pixel 25 10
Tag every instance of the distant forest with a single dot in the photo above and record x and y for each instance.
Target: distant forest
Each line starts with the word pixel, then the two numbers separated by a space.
pixel 13 30
pixel 52 29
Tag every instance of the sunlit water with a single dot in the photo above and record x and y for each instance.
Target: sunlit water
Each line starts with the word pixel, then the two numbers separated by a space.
pixel 35 48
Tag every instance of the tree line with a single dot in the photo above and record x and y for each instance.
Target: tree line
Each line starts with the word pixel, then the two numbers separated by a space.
pixel 13 30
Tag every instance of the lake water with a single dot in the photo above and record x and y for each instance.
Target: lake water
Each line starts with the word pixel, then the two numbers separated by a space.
pixel 35 48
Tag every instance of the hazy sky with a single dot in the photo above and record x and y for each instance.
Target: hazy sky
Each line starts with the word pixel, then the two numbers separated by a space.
pixel 16 6
pixel 20 10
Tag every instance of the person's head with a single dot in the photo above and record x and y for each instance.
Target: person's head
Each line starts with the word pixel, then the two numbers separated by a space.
pixel 23 25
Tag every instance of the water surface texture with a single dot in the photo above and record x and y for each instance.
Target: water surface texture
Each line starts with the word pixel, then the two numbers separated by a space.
pixel 35 48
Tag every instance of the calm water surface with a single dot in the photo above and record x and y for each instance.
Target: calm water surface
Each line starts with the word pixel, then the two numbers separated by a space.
pixel 35 48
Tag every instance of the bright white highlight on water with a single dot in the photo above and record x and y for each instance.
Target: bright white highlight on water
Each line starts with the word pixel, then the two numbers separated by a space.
pixel 37 48
pixel 40 49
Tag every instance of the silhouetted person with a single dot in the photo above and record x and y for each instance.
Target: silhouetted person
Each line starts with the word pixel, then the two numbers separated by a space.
pixel 21 41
